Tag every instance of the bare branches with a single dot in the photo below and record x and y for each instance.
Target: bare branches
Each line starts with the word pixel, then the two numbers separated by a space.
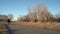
pixel 39 12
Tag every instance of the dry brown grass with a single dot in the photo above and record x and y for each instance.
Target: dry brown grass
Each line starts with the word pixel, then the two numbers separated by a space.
pixel 49 25
pixel 44 25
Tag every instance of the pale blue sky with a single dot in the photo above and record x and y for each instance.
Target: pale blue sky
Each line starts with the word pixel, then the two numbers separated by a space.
pixel 19 7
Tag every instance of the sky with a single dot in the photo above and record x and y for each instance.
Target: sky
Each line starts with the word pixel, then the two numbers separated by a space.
pixel 19 7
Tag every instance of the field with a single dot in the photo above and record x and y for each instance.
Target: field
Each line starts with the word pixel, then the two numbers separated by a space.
pixel 50 25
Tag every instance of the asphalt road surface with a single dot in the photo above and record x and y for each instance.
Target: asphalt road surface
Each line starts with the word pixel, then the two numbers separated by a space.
pixel 19 29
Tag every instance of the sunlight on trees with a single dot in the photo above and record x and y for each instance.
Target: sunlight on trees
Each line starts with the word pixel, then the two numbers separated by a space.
pixel 39 13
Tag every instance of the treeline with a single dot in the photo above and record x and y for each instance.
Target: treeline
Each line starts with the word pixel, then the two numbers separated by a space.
pixel 6 18
pixel 39 13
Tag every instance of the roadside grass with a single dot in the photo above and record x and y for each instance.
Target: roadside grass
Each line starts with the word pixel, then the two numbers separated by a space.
pixel 44 25
pixel 50 25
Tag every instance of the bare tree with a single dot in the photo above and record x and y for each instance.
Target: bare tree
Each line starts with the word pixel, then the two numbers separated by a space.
pixel 10 17
pixel 58 17
pixel 44 13
pixel 30 14
pixel 38 12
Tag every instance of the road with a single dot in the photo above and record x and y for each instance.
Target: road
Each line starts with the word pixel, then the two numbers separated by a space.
pixel 19 29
